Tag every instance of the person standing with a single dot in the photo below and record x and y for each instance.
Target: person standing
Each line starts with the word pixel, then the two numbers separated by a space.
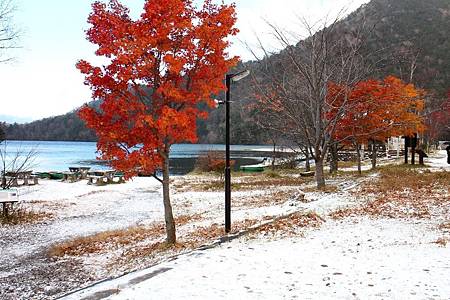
pixel 448 153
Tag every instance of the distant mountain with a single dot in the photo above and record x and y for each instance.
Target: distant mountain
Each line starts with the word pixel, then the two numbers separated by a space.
pixel 408 35
pixel 411 33
pixel 68 127
pixel 13 119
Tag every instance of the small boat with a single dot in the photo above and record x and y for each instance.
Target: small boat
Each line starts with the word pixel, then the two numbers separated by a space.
pixel 255 168
pixel 56 175
pixel 42 175
pixel 252 168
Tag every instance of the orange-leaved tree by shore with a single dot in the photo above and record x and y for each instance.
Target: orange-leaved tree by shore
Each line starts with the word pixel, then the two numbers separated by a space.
pixel 159 68
pixel 376 110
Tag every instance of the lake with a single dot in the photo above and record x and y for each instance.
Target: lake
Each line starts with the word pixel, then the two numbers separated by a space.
pixel 58 156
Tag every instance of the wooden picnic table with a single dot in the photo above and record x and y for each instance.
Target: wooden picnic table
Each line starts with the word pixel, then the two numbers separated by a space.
pixel 82 170
pixel 19 174
pixel 100 177
pixel 76 173
pixel 13 177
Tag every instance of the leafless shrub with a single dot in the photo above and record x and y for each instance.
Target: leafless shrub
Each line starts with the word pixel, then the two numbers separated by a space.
pixel 13 162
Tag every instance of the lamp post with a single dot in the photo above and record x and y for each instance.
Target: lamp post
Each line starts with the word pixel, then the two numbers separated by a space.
pixel 229 78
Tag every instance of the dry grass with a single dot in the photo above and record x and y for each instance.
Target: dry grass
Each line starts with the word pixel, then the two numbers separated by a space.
pixel 51 205
pixel 113 239
pixel 290 226
pixel 272 173
pixel 402 192
pixel 327 189
pixel 445 226
pixel 244 183
pixel 202 235
pixel 241 181
pixel 348 164
pixel 401 177
pixel 21 216
pixel 273 198
pixel 442 242
pixel 198 236
pixel 103 241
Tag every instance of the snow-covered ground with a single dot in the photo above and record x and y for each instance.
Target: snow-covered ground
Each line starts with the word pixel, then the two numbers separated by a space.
pixel 356 258
pixel 80 210
pixel 375 259
pixel 438 161
pixel 352 258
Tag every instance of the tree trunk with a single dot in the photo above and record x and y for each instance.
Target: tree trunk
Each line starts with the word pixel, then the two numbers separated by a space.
pixel 168 214
pixel 320 178
pixel 274 155
pixel 387 147
pixel 362 153
pixel 374 155
pixel 307 162
pixel 358 157
pixel 334 158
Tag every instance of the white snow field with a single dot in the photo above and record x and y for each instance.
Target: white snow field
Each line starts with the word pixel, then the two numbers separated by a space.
pixel 354 258
pixel 372 259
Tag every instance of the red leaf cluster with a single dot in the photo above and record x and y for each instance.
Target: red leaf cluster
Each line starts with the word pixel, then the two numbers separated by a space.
pixel 375 109
pixel 160 68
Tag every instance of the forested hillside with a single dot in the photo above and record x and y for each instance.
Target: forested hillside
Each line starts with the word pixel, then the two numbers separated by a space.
pixel 68 127
pixel 410 39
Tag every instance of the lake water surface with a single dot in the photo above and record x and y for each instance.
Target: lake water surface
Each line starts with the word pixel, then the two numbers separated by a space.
pixel 58 156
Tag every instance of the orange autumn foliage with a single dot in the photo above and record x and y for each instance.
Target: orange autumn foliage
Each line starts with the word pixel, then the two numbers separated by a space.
pixel 160 68
pixel 376 109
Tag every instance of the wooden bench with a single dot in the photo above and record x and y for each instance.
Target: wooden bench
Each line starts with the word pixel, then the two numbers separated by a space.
pixel 31 180
pixel 118 178
pixel 97 180
pixel 307 174
pixel 10 181
pixel 71 176
pixel 102 177
pixel 82 171
pixel 15 179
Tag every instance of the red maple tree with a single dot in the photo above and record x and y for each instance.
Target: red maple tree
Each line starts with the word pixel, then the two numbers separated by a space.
pixel 159 68
pixel 376 110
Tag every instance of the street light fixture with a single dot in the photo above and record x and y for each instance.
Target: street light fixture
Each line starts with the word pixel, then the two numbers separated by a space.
pixel 229 78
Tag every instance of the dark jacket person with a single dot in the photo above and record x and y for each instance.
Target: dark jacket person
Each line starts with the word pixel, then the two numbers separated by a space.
pixel 448 154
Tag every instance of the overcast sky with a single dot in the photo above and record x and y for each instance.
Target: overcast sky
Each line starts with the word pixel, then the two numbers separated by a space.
pixel 43 81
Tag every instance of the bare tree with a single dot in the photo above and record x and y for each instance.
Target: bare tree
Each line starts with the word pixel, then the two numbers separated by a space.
pixel 293 84
pixel 405 60
pixel 13 162
pixel 9 33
